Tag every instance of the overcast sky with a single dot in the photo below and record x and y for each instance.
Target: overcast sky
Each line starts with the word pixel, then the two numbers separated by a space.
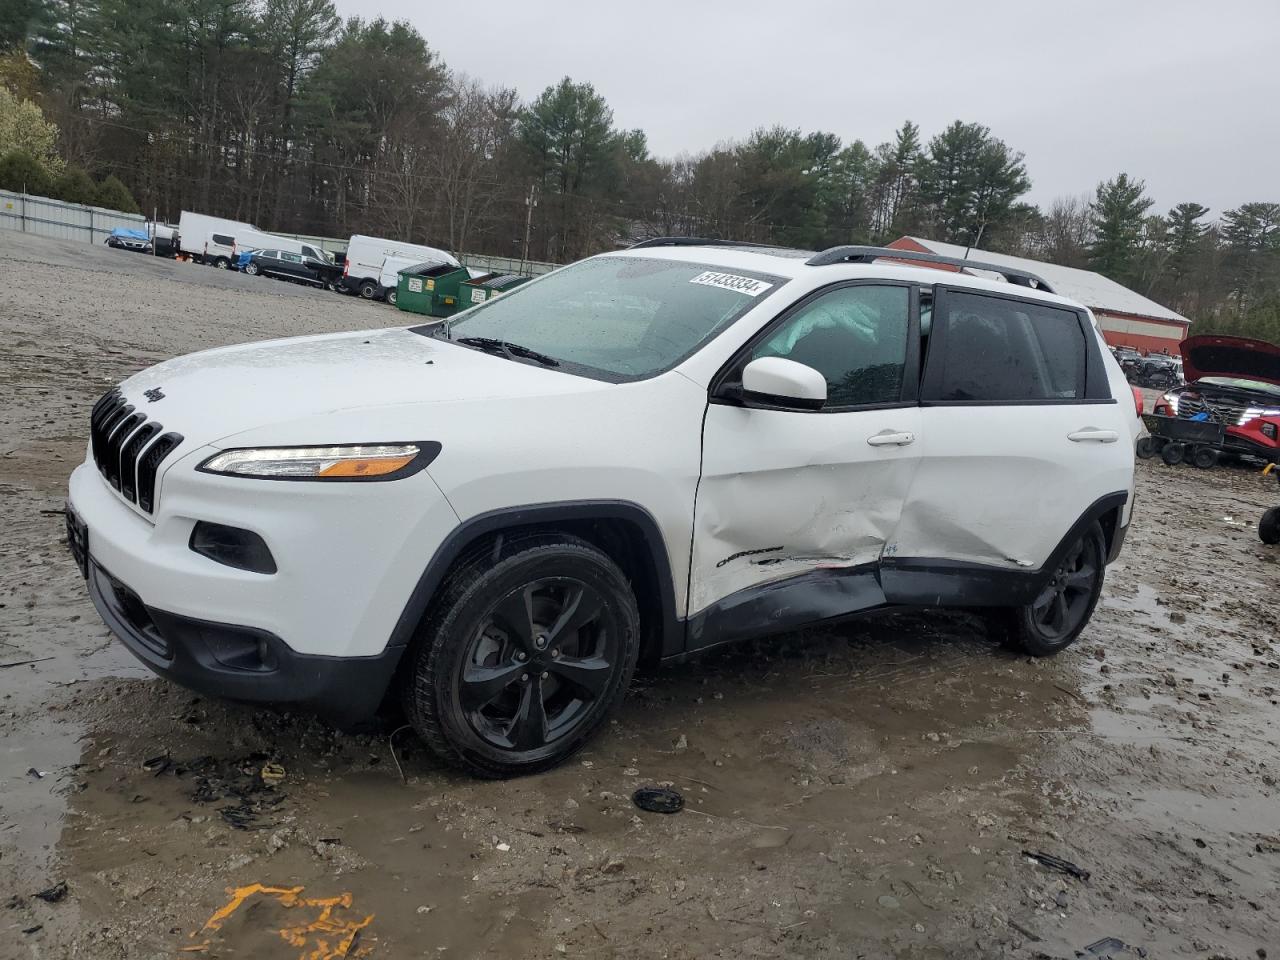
pixel 1182 93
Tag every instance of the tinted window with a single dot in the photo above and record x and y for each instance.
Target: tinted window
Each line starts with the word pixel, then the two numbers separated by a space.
pixel 998 350
pixel 290 257
pixel 856 337
pixel 223 239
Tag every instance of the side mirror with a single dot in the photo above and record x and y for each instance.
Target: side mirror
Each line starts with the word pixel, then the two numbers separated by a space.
pixel 785 382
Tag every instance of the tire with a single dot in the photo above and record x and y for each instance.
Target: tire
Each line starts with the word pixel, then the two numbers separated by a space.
pixel 1053 621
pixel 252 269
pixel 1204 457
pixel 1173 454
pixel 222 263
pixel 391 296
pixel 1269 526
pixel 487 685
pixel 368 289
pixel 1147 447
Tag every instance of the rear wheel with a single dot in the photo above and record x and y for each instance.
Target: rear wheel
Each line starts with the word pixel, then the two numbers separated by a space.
pixel 368 289
pixel 222 263
pixel 1173 454
pixel 1147 447
pixel 523 658
pixel 1269 526
pixel 1053 620
pixel 391 296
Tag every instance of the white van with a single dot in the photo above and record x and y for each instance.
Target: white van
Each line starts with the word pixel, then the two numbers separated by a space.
pixel 218 241
pixel 366 255
pixel 389 276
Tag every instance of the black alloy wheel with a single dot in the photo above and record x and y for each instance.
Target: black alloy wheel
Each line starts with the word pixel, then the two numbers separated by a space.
pixel 523 655
pixel 1063 603
pixel 1057 615
pixel 543 656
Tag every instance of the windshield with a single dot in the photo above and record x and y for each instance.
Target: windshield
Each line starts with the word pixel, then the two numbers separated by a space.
pixel 617 318
pixel 1242 384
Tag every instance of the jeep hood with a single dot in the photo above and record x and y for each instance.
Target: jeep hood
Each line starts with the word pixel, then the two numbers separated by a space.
pixel 217 393
pixel 1239 357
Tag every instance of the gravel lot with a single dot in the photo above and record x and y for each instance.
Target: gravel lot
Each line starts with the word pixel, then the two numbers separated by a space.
pixel 866 790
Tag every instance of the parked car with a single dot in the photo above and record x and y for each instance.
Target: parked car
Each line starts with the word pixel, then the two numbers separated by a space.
pixel 1155 370
pixel 644 454
pixel 389 277
pixel 1127 357
pixel 219 241
pixel 126 238
pixel 365 257
pixel 285 265
pixel 1234 382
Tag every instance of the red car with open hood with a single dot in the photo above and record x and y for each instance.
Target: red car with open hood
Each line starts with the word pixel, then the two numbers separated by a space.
pixel 1234 381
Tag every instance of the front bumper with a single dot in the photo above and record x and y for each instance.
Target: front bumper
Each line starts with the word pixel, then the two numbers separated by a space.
pixel 322 631
pixel 240 663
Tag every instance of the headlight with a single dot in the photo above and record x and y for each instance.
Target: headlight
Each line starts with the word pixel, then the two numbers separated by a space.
pixel 1254 412
pixel 1172 400
pixel 383 461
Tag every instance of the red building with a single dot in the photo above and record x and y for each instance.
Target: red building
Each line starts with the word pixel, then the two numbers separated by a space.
pixel 1127 318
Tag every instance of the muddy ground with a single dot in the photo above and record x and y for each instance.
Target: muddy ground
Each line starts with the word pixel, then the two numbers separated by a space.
pixel 866 790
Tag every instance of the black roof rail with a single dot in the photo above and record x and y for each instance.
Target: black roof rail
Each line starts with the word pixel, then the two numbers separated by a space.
pixel 854 254
pixel 692 242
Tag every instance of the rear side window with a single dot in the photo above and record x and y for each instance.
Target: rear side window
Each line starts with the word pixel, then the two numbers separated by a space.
pixel 223 240
pixel 995 350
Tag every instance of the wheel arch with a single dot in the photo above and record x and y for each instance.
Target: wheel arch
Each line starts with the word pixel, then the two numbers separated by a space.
pixel 625 531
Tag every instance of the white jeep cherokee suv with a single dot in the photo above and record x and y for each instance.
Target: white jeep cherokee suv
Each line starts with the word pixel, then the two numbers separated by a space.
pixel 645 453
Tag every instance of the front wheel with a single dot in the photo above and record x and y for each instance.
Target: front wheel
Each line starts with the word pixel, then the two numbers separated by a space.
pixel 391 296
pixel 1052 621
pixel 524 658
pixel 252 269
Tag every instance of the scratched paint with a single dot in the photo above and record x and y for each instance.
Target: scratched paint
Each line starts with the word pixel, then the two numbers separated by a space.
pixel 808 484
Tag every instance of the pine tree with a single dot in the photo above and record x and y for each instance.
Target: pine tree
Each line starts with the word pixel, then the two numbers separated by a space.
pixel 970 182
pixel 1118 217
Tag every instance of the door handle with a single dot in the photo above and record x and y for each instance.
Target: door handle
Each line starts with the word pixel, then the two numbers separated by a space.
pixel 1093 433
pixel 887 438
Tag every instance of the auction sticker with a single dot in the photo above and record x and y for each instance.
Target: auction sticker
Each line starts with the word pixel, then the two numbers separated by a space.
pixel 731 281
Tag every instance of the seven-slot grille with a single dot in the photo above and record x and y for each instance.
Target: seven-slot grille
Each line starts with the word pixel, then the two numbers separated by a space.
pixel 1220 409
pixel 128 448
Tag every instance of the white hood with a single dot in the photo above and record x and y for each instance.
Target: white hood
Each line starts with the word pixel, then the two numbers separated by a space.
pixel 217 393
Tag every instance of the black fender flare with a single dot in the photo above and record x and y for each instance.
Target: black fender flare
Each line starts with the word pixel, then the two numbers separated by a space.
pixel 672 632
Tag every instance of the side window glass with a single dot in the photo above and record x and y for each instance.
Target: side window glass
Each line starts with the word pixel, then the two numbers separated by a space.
pixel 1003 351
pixel 223 240
pixel 290 258
pixel 856 337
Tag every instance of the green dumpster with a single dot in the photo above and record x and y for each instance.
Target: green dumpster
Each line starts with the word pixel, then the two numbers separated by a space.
pixel 430 288
pixel 481 289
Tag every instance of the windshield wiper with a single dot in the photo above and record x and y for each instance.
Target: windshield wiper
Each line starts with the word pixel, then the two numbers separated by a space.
pixel 490 345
